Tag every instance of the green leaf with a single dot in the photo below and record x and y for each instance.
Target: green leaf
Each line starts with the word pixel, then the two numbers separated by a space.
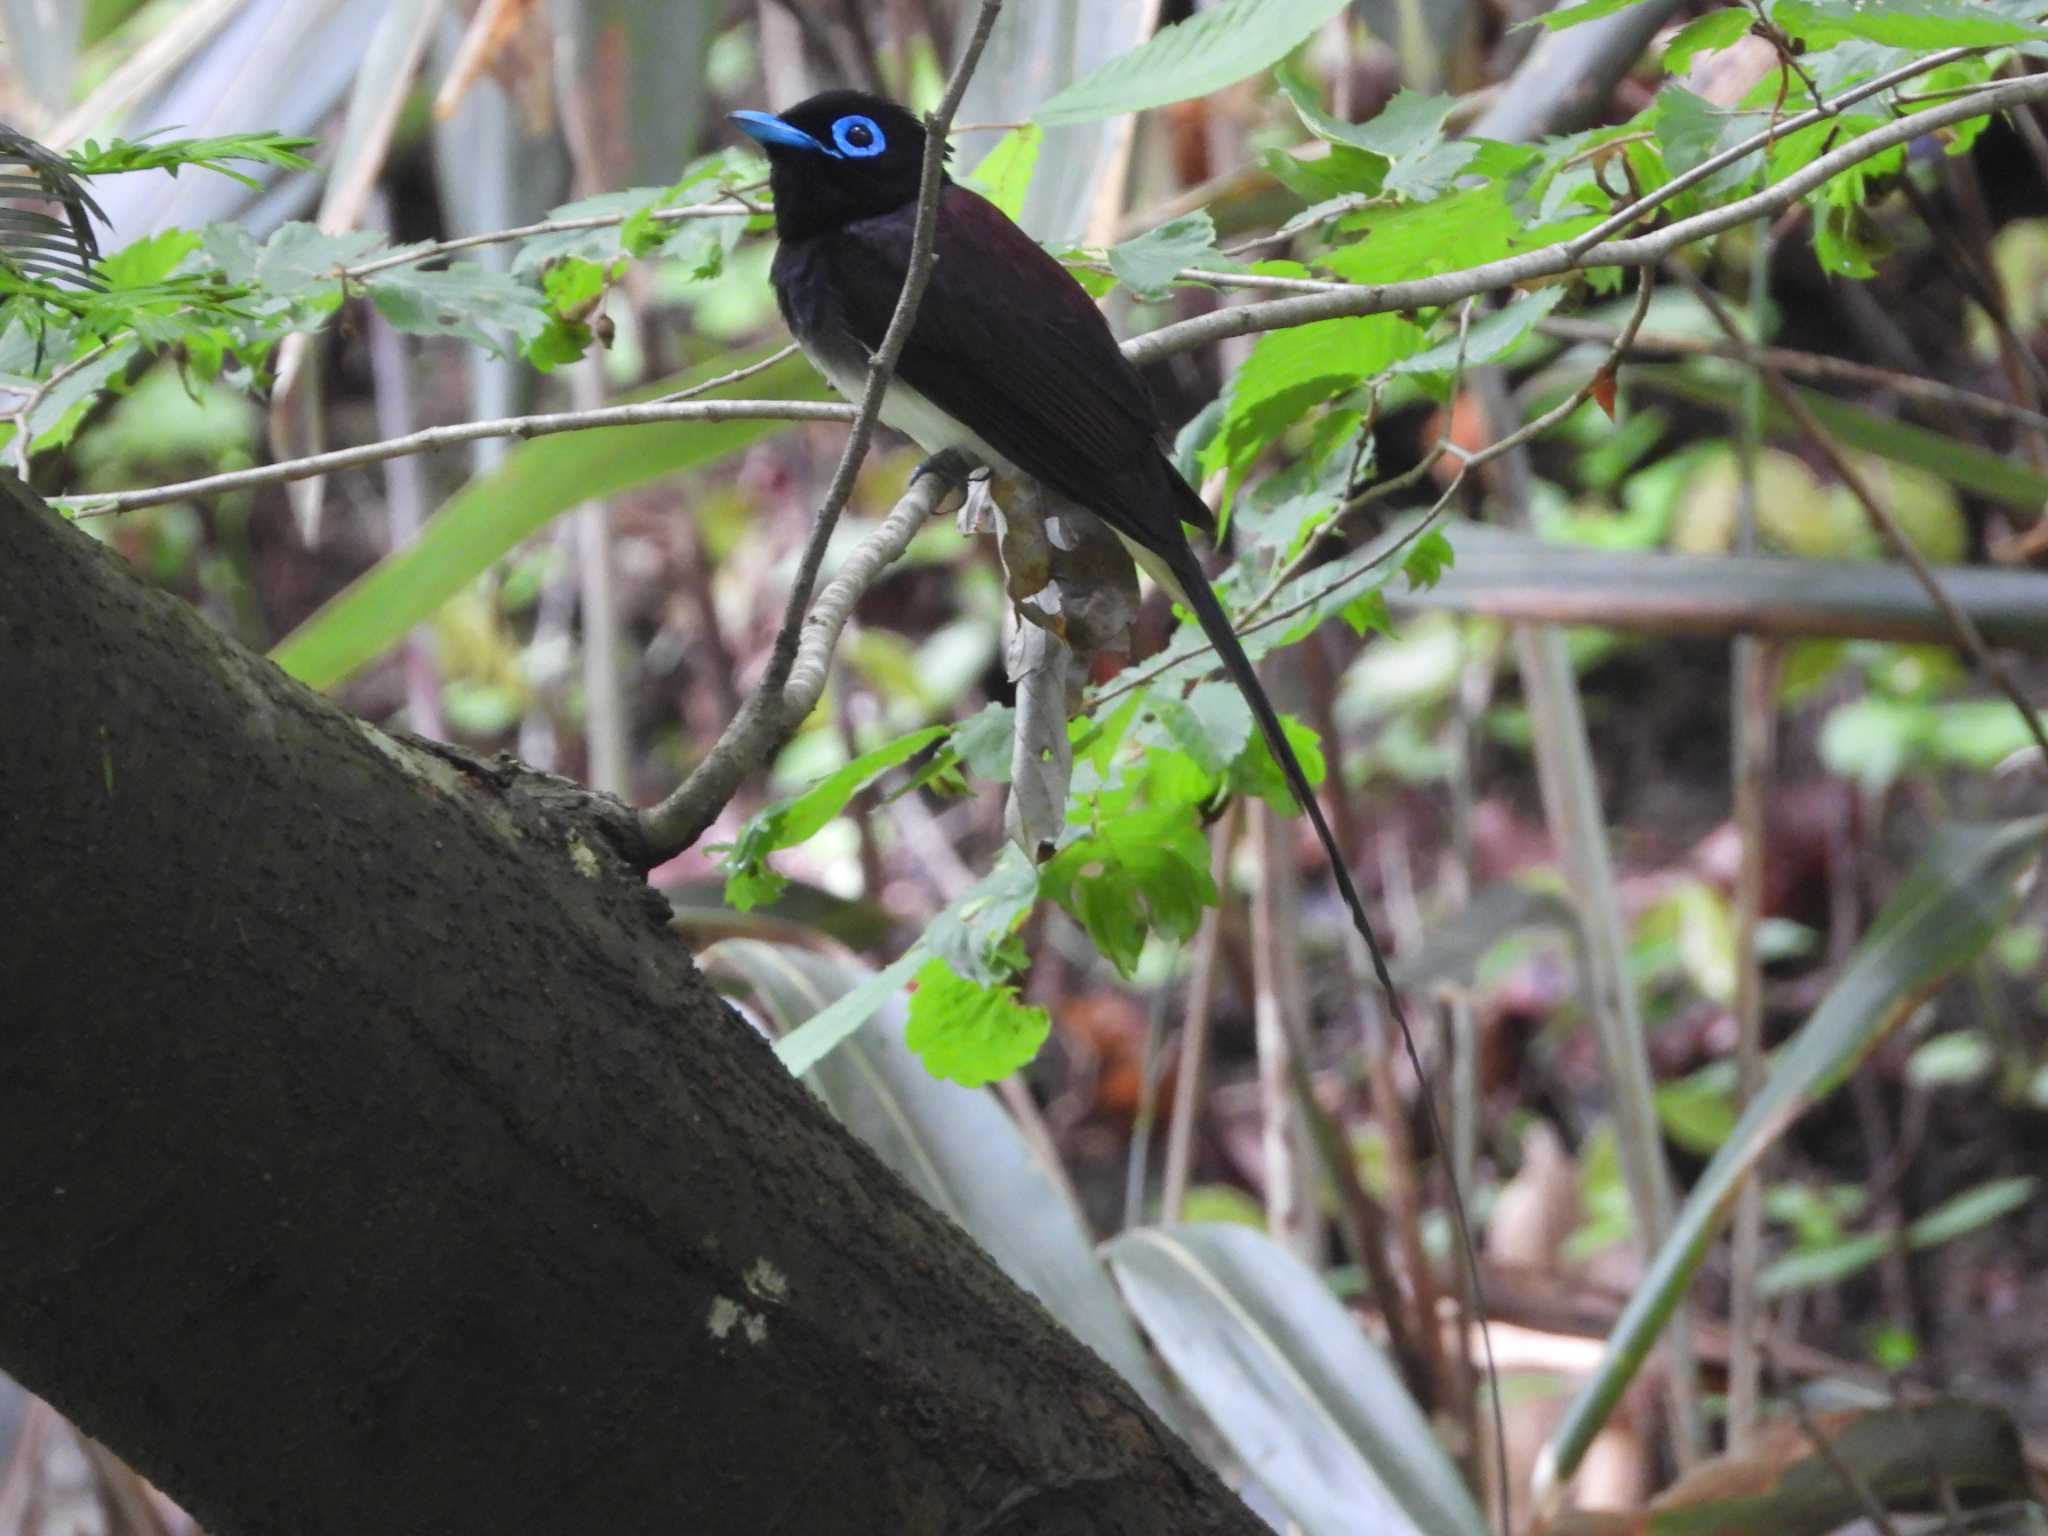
pixel 488 517
pixel 1834 1262
pixel 1258 772
pixel 142 263
pixel 1974 1208
pixel 803 1047
pixel 1427 560
pixel 1291 371
pixel 792 821
pixel 969 1032
pixel 1147 264
pixel 1291 1381
pixel 1873 740
pixel 1407 133
pixel 1948 908
pixel 1698 1111
pixel 1132 874
pixel 299 263
pixel 1368 615
pixel 174 155
pixel 1704 34
pixel 1212 725
pixel 1486 338
pixel 1586 10
pixel 964 934
pixel 983 741
pixel 463 300
pixel 1457 230
pixel 1919 24
pixel 1208 51
pixel 1689 128
pixel 1004 174
pixel 1953 1060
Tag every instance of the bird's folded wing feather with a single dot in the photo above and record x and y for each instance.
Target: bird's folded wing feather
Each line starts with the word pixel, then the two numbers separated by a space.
pixel 1009 344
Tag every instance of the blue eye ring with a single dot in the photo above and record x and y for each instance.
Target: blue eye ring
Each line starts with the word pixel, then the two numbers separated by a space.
pixel 843 133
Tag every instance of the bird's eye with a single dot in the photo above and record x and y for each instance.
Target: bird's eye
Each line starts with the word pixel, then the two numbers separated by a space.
pixel 859 137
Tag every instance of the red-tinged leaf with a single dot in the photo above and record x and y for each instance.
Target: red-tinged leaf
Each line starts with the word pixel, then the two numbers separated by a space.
pixel 1603 390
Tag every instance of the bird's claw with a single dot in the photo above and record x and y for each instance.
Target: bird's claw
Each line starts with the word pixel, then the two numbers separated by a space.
pixel 949 464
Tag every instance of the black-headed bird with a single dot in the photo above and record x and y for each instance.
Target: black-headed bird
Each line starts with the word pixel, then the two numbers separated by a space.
pixel 1008 359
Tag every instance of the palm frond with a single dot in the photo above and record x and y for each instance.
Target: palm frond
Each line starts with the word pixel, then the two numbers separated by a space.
pixel 39 242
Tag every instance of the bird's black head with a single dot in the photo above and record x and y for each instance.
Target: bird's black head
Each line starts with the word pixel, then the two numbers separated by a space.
pixel 837 157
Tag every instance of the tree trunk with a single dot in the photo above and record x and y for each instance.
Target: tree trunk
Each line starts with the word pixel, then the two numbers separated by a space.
pixel 372 1158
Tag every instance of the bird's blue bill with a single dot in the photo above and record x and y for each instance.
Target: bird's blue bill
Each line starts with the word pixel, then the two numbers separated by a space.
pixel 767 128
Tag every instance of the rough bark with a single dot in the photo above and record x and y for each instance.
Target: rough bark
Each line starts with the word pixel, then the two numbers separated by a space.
pixel 373 1159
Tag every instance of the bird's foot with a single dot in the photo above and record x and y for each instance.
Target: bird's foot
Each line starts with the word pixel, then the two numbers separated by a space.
pixel 950 465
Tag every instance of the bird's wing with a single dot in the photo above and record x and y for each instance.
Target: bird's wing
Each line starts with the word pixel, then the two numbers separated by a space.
pixel 1009 344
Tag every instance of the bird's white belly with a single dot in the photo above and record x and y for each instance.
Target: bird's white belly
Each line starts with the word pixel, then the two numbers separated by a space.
pixel 914 416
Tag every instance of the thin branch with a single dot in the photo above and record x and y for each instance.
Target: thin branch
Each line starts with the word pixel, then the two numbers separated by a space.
pixel 414 255
pixel 23 438
pixel 430 438
pixel 1555 260
pixel 724 379
pixel 682 817
pixel 770 713
pixel 822 627
pixel 1960 623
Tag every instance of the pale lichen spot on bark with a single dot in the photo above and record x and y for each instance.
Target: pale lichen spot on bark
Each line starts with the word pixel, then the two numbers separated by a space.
pixel 726 1313
pixel 767 1282
pixel 416 764
pixel 583 858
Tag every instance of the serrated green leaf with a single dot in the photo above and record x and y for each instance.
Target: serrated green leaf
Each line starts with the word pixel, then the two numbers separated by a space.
pixel 1133 874
pixel 1411 240
pixel 1004 174
pixel 1259 773
pixel 300 264
pixel 1147 264
pixel 1427 560
pixel 1917 24
pixel 1291 371
pixel 968 1032
pixel 1689 128
pixel 1212 725
pixel 792 821
pixel 1368 615
pixel 1208 51
pixel 1485 339
pixel 463 300
pixel 1586 10
pixel 1408 136
pixel 1331 184
pixel 1704 34
pixel 149 260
